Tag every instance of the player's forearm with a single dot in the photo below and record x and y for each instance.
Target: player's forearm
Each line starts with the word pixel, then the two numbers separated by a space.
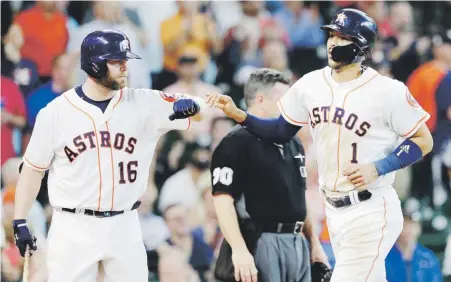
pixel 228 221
pixel 26 191
pixel 407 153
pixel 423 139
pixel 308 232
pixel 276 130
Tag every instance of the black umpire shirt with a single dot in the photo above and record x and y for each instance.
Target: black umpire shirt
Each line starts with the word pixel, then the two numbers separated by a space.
pixel 266 180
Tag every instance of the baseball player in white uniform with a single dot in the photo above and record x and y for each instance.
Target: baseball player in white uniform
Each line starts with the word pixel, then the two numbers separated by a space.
pixel 97 141
pixel 364 127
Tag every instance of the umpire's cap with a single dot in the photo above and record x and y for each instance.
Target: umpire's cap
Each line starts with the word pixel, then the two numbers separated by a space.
pixel 103 45
pixel 356 24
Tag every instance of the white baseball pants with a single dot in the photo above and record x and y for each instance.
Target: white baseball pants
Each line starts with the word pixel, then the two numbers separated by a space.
pixel 79 245
pixel 362 235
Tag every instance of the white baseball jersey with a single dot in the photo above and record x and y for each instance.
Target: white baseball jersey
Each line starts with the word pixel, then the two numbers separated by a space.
pixel 99 160
pixel 359 121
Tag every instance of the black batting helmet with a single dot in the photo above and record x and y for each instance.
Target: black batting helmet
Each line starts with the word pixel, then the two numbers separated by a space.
pixel 100 46
pixel 360 27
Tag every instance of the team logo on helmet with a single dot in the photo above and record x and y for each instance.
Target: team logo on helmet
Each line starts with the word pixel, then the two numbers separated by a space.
pixel 341 19
pixel 124 45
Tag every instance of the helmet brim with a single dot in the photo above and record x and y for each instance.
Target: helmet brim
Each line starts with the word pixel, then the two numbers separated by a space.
pixel 120 56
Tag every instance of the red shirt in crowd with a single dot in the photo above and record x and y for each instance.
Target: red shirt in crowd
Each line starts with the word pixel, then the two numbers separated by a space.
pixel 12 102
pixel 45 35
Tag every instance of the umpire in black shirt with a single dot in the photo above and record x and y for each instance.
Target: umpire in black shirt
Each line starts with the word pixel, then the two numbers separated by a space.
pixel 263 184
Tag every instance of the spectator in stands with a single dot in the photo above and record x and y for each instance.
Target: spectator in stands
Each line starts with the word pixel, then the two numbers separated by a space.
pixel 274 56
pixel 153 227
pixel 11 262
pixel 188 70
pixel 110 15
pixel 13 116
pixel 71 23
pixel 243 42
pixel 442 132
pixel 60 82
pixel 424 85
pixel 183 186
pixel 192 244
pixel 173 267
pixel 23 71
pixel 187 29
pixel 404 46
pixel 209 225
pixel 10 256
pixel 408 260
pixel 379 12
pixel 303 27
pixel 46 36
pixel 220 126
pixel 10 176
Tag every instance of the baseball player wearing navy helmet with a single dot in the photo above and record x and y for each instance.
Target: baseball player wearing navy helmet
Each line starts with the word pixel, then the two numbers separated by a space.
pixel 365 127
pixel 97 142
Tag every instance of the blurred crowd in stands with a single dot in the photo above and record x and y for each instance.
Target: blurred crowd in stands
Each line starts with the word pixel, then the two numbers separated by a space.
pixel 198 47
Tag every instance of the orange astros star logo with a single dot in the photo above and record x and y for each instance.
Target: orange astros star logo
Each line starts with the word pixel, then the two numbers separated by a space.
pixel 341 19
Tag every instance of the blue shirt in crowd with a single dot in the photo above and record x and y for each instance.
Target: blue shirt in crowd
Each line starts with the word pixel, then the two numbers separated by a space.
pixel 37 100
pixel 424 266
pixel 304 31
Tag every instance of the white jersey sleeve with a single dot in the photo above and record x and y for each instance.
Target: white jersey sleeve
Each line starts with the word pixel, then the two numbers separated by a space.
pixel 164 107
pixel 292 105
pixel 405 116
pixel 40 150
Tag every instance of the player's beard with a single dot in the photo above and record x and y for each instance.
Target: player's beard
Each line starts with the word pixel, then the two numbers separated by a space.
pixel 112 83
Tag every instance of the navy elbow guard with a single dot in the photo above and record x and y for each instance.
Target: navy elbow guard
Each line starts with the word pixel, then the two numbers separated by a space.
pixel 404 155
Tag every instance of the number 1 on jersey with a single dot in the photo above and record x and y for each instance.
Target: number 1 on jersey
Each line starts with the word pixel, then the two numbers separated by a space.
pixel 131 172
pixel 354 153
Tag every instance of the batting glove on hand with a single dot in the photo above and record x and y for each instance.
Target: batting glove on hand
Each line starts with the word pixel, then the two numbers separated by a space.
pixel 320 272
pixel 23 237
pixel 184 108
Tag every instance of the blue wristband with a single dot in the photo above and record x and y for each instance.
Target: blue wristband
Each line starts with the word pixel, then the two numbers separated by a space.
pixel 404 155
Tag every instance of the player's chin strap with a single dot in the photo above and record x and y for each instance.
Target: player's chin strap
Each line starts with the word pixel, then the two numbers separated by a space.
pixel 349 54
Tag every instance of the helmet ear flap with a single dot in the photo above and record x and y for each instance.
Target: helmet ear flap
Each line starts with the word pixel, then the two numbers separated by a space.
pixel 96 68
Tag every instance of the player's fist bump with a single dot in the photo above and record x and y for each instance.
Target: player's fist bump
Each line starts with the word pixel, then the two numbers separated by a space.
pixel 23 237
pixel 184 108
pixel 360 174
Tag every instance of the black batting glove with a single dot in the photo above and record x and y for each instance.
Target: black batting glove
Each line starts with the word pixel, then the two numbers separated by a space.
pixel 184 108
pixel 320 272
pixel 23 237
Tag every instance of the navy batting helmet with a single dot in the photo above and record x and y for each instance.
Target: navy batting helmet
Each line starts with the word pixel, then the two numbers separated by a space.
pixel 100 46
pixel 357 25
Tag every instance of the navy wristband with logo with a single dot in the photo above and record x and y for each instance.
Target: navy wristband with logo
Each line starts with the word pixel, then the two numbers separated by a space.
pixel 404 155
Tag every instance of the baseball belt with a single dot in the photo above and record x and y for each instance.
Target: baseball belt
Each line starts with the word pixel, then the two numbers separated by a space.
pixel 353 198
pixel 99 213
